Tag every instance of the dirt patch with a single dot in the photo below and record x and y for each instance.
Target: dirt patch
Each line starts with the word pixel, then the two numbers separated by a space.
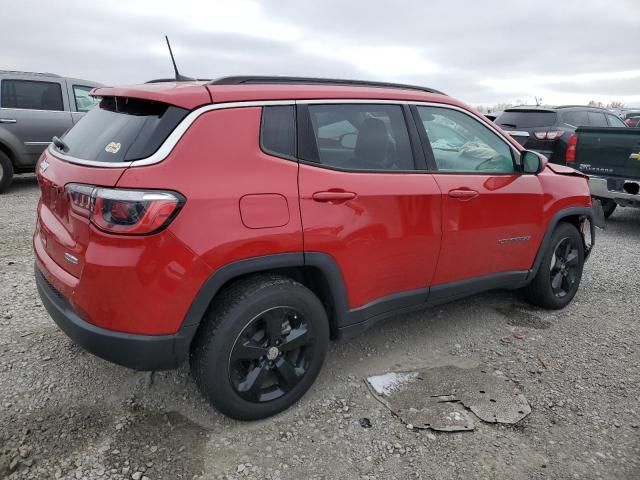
pixel 521 318
pixel 91 440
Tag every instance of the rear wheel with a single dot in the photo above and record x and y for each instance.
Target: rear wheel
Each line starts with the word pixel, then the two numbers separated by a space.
pixel 261 348
pixel 6 172
pixel 608 206
pixel 559 275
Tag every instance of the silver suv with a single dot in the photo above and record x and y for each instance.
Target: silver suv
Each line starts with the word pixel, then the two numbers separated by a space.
pixel 33 108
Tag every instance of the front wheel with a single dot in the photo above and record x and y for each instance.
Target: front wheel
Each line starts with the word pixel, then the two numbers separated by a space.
pixel 6 172
pixel 559 275
pixel 261 347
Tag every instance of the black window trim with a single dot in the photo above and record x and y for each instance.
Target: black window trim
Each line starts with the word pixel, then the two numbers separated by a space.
pixel 75 99
pixel 2 107
pixel 306 141
pixel 429 151
pixel 272 153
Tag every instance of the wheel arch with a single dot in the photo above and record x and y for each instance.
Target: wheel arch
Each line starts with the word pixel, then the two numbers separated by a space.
pixel 317 271
pixel 572 215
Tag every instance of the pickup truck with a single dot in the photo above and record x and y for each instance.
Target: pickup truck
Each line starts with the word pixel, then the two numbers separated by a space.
pixel 611 158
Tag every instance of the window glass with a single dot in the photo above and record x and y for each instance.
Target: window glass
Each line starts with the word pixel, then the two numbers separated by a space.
pixel 615 121
pixel 84 102
pixel 462 144
pixel 32 95
pixel 361 137
pixel 122 129
pixel 521 118
pixel 596 119
pixel 278 131
pixel 576 118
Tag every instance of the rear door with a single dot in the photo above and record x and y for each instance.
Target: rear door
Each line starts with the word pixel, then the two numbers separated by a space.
pixel 364 200
pixel 33 111
pixel 491 213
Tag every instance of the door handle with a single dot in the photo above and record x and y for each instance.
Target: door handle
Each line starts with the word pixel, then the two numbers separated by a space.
pixel 333 196
pixel 8 120
pixel 463 195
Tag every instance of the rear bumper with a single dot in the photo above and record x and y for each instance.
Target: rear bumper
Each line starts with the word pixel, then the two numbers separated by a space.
pixel 139 352
pixel 603 188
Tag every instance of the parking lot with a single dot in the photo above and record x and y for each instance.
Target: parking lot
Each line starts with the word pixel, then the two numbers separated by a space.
pixel 67 414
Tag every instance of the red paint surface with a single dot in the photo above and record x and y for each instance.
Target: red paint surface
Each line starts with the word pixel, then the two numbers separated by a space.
pixel 388 232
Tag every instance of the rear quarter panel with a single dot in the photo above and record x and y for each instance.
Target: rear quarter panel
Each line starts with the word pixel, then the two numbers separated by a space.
pixel 216 163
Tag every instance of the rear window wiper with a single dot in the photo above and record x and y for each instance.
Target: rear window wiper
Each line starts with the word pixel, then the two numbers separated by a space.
pixel 60 145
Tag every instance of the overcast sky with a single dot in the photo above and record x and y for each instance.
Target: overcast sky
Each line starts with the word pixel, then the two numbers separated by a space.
pixel 482 52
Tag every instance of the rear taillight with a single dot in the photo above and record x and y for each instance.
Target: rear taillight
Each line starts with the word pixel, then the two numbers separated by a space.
pixel 550 135
pixel 125 212
pixel 571 148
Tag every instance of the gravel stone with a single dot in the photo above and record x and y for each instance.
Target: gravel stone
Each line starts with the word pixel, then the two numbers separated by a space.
pixel 76 416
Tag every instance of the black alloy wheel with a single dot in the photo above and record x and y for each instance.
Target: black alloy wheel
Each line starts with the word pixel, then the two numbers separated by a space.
pixel 261 346
pixel 271 355
pixel 564 269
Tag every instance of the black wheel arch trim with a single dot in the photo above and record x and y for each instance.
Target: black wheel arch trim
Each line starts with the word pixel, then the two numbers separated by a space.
pixel 557 218
pixel 325 263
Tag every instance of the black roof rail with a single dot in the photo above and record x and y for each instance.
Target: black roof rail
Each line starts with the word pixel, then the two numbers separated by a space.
pixel 173 80
pixel 243 80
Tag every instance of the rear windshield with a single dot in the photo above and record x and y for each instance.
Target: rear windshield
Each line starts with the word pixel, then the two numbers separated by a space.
pixel 526 119
pixel 122 130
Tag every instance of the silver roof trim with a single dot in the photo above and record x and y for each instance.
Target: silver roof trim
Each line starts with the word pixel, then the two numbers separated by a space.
pixel 172 140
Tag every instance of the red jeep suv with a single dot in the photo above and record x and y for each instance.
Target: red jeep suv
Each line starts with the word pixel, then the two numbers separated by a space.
pixel 244 222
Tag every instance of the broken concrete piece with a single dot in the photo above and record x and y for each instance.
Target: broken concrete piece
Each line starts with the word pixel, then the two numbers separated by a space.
pixel 436 398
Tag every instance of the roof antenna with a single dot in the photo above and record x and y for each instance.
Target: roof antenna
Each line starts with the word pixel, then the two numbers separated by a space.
pixel 179 77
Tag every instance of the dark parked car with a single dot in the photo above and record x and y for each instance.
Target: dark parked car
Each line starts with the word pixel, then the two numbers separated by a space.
pixel 551 130
pixel 34 107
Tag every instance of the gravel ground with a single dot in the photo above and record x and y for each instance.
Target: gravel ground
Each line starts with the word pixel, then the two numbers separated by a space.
pixel 66 414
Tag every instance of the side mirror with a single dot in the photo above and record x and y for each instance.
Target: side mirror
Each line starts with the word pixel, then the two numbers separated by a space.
pixel 531 162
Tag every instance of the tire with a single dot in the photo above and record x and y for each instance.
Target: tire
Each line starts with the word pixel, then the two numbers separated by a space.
pixel 608 206
pixel 6 172
pixel 242 343
pixel 544 291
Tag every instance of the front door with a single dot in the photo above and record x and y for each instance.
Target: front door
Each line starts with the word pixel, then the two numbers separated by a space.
pixel 364 203
pixel 491 213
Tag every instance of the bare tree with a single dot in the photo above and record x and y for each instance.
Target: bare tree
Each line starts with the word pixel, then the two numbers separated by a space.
pixel 616 105
pixel 593 103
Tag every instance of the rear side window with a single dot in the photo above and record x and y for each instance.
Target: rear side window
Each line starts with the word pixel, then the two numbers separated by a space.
pixel 597 119
pixel 526 119
pixel 278 131
pixel 361 137
pixel 615 121
pixel 32 95
pixel 576 118
pixel 122 129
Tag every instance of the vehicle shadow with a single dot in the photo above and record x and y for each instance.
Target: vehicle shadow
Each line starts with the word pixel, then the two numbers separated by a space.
pixel 22 183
